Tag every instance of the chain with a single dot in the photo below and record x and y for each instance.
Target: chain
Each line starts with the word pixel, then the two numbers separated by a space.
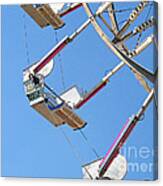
pixel 26 40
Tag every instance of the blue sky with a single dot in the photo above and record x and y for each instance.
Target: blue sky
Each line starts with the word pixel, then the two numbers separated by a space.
pixel 31 146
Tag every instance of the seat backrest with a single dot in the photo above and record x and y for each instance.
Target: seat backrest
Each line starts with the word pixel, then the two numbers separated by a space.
pixel 71 96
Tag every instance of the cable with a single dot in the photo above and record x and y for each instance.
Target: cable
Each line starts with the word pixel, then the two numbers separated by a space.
pixel 26 40
pixel 88 143
pixel 138 40
pixel 120 10
pixel 60 62
pixel 126 9
pixel 63 85
pixel 149 10
pixel 76 152
pixel 146 18
pixel 129 9
pixel 121 22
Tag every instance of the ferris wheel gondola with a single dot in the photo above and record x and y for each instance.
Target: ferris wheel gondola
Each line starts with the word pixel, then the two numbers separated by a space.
pixel 49 14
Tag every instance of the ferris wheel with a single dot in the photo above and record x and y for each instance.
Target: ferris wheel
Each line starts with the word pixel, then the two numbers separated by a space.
pixel 59 109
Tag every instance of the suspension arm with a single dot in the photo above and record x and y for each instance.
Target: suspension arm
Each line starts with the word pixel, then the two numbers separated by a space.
pixel 73 7
pixel 53 52
pixel 92 93
pixel 150 39
pixel 123 135
pixel 99 86
pixel 67 39
pixel 106 78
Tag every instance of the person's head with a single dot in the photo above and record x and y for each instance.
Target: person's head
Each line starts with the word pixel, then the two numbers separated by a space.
pixel 46 100
pixel 31 76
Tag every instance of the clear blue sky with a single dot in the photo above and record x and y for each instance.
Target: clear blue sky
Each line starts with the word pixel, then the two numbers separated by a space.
pixel 31 146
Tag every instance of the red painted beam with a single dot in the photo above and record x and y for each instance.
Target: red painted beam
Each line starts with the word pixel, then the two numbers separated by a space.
pixel 118 147
pixel 50 56
pixel 102 172
pixel 70 10
pixel 91 94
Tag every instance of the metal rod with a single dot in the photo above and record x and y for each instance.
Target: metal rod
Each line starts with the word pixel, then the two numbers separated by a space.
pixel 106 78
pixel 70 9
pixel 67 39
pixel 139 29
pixel 123 135
pixel 107 25
pixel 142 46
pixel 53 52
pixel 111 12
pixel 92 93
pixel 53 92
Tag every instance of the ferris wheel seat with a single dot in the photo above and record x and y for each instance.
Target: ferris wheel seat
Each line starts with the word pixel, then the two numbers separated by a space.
pixel 44 15
pixel 72 96
pixel 59 116
pixel 55 110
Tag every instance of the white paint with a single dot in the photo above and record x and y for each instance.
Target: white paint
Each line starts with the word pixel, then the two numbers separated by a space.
pixel 116 171
pixel 71 97
pixel 47 69
pixel 56 7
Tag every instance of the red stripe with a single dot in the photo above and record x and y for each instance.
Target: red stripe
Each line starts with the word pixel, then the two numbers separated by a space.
pixel 113 144
pixel 50 56
pixel 91 94
pixel 71 9
pixel 115 153
pixel 122 141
